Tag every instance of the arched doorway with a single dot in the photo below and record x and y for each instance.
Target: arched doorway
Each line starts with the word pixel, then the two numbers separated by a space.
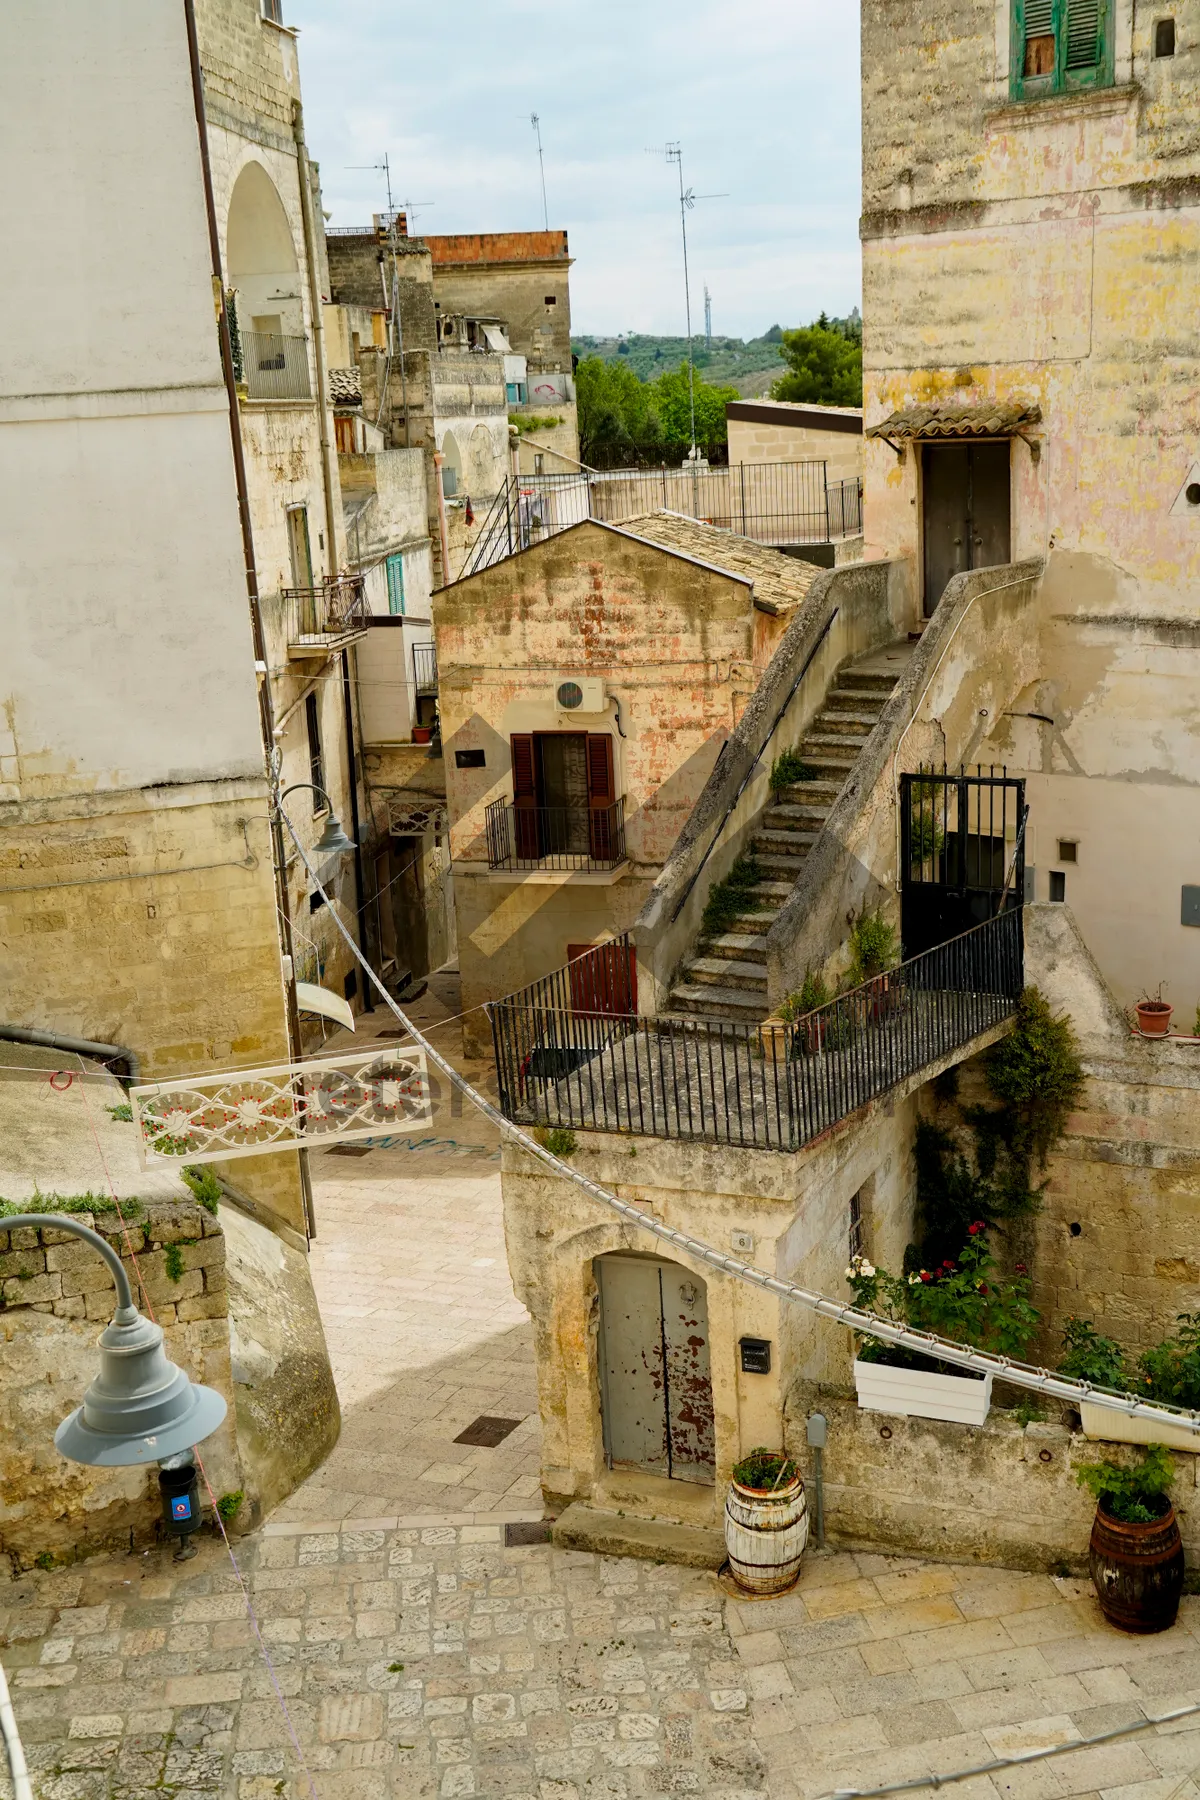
pixel 452 467
pixel 265 276
pixel 656 1388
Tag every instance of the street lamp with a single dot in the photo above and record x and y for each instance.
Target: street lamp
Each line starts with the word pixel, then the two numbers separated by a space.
pixel 141 1408
pixel 333 840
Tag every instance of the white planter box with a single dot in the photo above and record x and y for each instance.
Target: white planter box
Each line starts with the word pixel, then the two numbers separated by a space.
pixel 916 1394
pixel 1109 1426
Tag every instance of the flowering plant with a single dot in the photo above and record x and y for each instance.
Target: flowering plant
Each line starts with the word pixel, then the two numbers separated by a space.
pixel 963 1299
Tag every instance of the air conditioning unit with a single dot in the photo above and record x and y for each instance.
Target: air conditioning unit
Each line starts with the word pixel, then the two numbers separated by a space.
pixel 580 694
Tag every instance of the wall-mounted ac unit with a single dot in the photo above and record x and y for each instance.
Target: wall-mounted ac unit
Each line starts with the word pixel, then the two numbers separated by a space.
pixel 580 694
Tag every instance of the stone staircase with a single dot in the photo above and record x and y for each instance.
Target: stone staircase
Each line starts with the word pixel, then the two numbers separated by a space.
pixel 727 977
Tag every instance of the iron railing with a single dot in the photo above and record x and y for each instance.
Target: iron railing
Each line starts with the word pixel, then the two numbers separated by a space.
pixel 571 1052
pixel 781 503
pixel 555 837
pixel 425 670
pixel 333 608
pixel 275 367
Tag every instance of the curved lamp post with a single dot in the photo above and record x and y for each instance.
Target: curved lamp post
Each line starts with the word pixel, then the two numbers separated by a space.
pixel 333 840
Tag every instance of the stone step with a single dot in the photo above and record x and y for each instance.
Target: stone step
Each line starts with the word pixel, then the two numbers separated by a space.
pixel 856 699
pixel 736 946
pixel 715 971
pixel 818 746
pixel 619 1534
pixel 819 793
pixel 791 839
pixel 756 925
pixel 866 679
pixel 786 816
pixel 845 724
pixel 702 1002
pixel 789 866
pixel 777 891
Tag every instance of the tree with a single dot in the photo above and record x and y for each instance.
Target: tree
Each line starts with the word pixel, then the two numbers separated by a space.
pixel 618 421
pixel 674 409
pixel 824 364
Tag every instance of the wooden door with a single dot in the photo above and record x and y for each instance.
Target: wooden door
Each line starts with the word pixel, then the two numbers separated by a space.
pixel 600 794
pixel 603 979
pixel 656 1382
pixel 966 511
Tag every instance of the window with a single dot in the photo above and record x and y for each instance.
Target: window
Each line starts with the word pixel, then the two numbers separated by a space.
pixel 1058 884
pixel 273 10
pixel 395 584
pixel 857 1242
pixel 316 760
pixel 515 393
pixel 1164 37
pixel 551 299
pixel 1068 850
pixel 1059 46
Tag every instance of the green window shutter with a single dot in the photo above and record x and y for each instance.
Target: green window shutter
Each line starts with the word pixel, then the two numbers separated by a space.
pixel 1084 49
pixel 395 584
pixel 1038 50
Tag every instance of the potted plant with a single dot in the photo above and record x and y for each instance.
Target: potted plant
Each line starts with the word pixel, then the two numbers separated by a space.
pixel 1136 1555
pixel 964 1300
pixel 421 734
pixel 766 1522
pixel 1154 1013
pixel 803 1009
pixel 874 952
pixel 1169 1373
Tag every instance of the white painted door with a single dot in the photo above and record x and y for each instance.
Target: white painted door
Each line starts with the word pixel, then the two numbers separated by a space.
pixel 657 1390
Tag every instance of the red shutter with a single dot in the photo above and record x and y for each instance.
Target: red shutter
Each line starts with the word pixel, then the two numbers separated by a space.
pixel 603 979
pixel 524 780
pixel 600 795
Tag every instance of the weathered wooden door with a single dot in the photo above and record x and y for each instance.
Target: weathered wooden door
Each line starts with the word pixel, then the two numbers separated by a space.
pixel 656 1383
pixel 965 511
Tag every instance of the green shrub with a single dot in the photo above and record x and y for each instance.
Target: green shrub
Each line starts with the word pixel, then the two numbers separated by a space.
pixel 124 1112
pixel 961 1298
pixel 874 947
pixel 1091 1357
pixel 765 1470
pixel 205 1187
pixel 1171 1371
pixel 812 993
pixel 69 1203
pixel 229 1505
pixel 1137 1495
pixel 732 896
pixel 1037 1076
pixel 557 1140
pixel 173 1260
pixel 789 767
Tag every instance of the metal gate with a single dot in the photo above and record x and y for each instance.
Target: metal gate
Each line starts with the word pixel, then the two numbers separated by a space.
pixel 654 1366
pixel 962 843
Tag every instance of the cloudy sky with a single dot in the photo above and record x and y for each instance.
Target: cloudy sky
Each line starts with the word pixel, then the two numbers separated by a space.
pixel 762 96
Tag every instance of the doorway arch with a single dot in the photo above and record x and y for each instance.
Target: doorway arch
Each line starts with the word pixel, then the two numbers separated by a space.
pixel 260 256
pixel 655 1380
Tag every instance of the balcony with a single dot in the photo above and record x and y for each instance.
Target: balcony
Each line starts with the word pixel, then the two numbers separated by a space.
pixel 274 367
pixel 425 673
pixel 322 618
pixel 557 838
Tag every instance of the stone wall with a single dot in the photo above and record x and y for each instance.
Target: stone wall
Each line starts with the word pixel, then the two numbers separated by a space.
pixel 774 431
pixel 510 275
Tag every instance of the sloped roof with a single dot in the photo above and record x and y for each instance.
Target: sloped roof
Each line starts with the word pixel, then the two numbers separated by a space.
pixel 345 387
pixel 987 419
pixel 780 582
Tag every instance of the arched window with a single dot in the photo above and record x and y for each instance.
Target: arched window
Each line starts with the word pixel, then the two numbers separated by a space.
pixel 264 273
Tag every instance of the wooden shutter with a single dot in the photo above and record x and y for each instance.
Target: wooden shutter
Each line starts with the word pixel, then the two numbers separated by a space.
pixel 600 795
pixel 524 780
pixel 1040 42
pixel 1083 34
pixel 603 979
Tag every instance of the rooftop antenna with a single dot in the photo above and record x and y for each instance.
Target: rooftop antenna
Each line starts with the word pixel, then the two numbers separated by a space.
pixel 410 206
pixel 537 132
pixel 707 318
pixel 688 197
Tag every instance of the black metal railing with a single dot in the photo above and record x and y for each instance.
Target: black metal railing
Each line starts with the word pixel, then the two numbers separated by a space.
pixel 275 367
pixel 330 609
pixel 425 673
pixel 555 837
pixel 571 1050
pixel 774 503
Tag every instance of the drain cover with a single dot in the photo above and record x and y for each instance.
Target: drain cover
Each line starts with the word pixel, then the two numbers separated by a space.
pixel 486 1433
pixel 350 1150
pixel 529 1531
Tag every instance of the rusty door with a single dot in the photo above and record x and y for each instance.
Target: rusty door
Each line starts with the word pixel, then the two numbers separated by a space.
pixel 654 1357
pixel 965 511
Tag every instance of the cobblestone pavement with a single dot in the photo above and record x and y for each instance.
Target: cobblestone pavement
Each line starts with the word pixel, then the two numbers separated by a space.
pixel 424 1661
pixel 424 1331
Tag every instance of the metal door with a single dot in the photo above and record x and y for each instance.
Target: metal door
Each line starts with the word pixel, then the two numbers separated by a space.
pixel 965 511
pixel 963 861
pixel 654 1364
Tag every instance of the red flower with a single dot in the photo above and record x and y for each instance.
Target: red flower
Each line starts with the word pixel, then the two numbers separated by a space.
pixel 983 1287
pixel 1021 1269
pixel 974 1230
pixel 925 1275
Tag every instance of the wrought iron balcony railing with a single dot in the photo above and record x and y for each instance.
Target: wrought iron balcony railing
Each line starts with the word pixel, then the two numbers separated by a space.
pixel 333 609
pixel 555 837
pixel 275 367
pixel 425 673
pixel 571 1050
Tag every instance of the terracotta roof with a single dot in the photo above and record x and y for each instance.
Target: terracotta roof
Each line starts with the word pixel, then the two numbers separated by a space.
pixel 780 582
pixel 345 387
pixel 989 419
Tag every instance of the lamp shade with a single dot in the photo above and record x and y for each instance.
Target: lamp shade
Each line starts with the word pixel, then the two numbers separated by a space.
pixel 141 1407
pixel 333 840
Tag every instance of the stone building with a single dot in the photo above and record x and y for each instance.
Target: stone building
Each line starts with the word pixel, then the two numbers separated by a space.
pixel 1031 501
pixel 770 431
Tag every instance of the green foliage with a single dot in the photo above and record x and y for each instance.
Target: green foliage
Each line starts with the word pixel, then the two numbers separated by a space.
pixel 173 1262
pixel 765 1470
pixel 925 838
pixel 673 404
pixel 963 1299
pixel 790 766
pixel 812 993
pixel 557 1140
pixel 229 1505
pixel 205 1187
pixel 1027 1411
pixel 44 1559
pixel 69 1203
pixel 1171 1371
pixel 824 365
pixel 732 896
pixel 1092 1357
pixel 526 423
pixel 874 947
pixel 124 1112
pixel 624 421
pixel 1036 1075
pixel 1137 1495
pixel 395 1668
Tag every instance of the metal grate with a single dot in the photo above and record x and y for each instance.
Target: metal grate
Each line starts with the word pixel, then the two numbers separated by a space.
pixel 521 1532
pixel 485 1432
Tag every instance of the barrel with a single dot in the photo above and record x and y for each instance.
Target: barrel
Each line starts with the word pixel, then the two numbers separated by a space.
pixel 765 1535
pixel 1137 1571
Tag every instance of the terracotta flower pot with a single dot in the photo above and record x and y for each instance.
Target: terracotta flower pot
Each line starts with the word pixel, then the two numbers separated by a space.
pixel 422 734
pixel 1154 1017
pixel 1137 1571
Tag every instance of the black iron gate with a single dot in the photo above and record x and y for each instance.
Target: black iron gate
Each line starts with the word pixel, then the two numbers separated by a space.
pixel 962 843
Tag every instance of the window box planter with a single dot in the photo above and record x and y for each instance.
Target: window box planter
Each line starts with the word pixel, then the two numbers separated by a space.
pixel 922 1393
pixel 1107 1426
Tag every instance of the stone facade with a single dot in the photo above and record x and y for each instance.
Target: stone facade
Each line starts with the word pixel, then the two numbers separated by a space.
pixel 785 431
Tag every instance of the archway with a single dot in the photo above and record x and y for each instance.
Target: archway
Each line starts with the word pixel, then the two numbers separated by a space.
pixel 656 1387
pixel 452 468
pixel 264 272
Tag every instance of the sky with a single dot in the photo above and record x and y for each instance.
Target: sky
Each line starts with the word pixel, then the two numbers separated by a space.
pixel 762 97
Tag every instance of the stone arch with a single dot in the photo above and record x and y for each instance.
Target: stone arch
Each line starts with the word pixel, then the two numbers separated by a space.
pixel 260 256
pixel 453 471
pixel 485 477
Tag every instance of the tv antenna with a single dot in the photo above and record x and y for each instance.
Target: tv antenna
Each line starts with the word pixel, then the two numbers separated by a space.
pixel 537 132
pixel 409 207
pixel 673 152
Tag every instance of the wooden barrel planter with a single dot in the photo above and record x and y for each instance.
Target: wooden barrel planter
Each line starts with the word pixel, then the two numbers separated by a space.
pixel 1137 1570
pixel 766 1530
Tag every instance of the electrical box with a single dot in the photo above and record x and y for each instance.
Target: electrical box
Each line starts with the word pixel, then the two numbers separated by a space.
pixel 756 1355
pixel 580 694
pixel 1189 911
